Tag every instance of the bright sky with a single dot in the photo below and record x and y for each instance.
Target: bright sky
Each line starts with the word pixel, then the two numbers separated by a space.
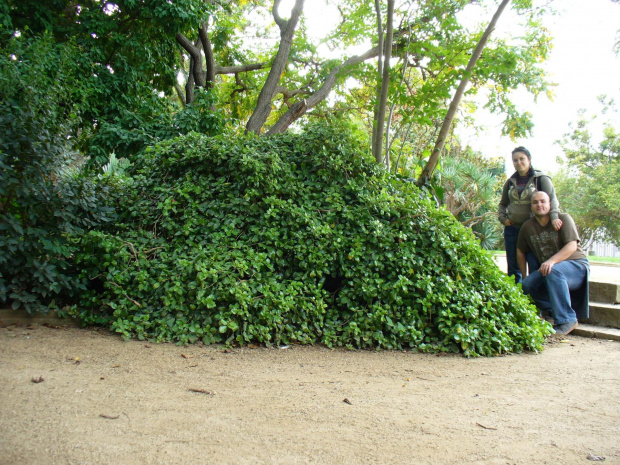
pixel 582 64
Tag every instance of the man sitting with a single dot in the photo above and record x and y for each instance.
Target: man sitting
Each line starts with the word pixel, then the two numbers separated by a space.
pixel 564 267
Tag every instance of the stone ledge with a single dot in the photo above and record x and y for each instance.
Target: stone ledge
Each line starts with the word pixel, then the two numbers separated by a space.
pixel 602 314
pixel 604 292
pixel 598 332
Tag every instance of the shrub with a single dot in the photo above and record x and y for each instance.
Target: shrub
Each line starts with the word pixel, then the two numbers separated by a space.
pixel 44 197
pixel 294 239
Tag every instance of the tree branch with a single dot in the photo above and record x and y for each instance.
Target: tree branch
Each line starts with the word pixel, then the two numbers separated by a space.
pixel 447 122
pixel 287 29
pixel 292 114
pixel 206 46
pixel 194 52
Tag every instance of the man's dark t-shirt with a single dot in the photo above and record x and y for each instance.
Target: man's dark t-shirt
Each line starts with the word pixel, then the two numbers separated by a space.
pixel 544 241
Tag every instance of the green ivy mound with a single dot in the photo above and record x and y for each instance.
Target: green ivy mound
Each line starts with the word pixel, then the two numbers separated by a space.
pixel 294 239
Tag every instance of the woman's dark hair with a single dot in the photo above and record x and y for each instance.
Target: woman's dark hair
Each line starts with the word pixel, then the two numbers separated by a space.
pixel 523 150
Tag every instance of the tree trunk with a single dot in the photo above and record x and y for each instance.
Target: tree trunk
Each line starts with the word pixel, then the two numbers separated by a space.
pixel 377 148
pixel 381 44
pixel 203 33
pixel 427 172
pixel 287 29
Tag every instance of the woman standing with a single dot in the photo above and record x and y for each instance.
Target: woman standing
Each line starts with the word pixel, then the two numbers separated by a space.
pixel 514 207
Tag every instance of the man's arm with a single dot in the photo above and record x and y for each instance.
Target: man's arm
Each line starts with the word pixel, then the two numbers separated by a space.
pixel 565 252
pixel 522 261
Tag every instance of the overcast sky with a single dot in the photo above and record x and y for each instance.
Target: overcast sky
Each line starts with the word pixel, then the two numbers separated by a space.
pixel 582 64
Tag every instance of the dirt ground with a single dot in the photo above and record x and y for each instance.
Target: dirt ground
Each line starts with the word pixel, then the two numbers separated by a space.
pixel 101 400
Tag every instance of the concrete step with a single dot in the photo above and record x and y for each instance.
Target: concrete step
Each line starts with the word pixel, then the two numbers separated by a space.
pixel 603 314
pixel 599 332
pixel 604 292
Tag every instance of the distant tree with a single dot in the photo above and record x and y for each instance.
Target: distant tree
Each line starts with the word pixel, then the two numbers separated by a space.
pixel 589 183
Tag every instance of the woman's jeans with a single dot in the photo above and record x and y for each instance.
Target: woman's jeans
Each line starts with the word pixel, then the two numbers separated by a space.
pixel 511 234
pixel 552 292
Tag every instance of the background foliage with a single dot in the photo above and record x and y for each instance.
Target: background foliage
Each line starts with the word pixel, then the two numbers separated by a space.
pixel 589 182
pixel 294 238
pixel 44 198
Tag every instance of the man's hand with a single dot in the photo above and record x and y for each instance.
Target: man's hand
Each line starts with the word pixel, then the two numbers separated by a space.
pixel 545 267
pixel 557 224
pixel 508 223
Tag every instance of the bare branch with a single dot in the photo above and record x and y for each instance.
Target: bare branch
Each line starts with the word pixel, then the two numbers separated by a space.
pixel 239 68
pixel 194 52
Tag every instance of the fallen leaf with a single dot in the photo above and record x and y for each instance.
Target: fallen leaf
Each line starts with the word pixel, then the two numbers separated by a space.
pixel 37 380
pixel 148 346
pixel 116 365
pixel 187 356
pixel 109 417
pixel 596 458
pixel 347 401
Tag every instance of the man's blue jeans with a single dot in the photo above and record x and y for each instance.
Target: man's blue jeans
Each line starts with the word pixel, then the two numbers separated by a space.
pixel 552 292
pixel 511 234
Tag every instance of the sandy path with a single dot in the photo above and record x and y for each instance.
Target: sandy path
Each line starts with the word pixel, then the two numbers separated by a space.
pixel 287 406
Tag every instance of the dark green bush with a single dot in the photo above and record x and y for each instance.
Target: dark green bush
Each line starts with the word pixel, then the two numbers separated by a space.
pixel 294 239
pixel 44 198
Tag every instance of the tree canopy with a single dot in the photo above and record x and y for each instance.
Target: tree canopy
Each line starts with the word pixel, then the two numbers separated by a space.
pixel 264 71
pixel 589 183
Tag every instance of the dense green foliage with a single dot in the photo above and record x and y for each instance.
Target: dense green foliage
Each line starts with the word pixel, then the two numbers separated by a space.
pixel 128 63
pixel 294 239
pixel 471 187
pixel 43 196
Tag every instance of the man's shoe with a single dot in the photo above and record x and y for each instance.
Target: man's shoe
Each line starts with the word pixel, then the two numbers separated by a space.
pixel 565 328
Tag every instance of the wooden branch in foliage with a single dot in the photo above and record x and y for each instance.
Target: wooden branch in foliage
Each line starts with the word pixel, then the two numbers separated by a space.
pixel 375 117
pixel 207 78
pixel 377 149
pixel 293 113
pixel 239 68
pixel 287 29
pixel 194 53
pixel 203 33
pixel 427 172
